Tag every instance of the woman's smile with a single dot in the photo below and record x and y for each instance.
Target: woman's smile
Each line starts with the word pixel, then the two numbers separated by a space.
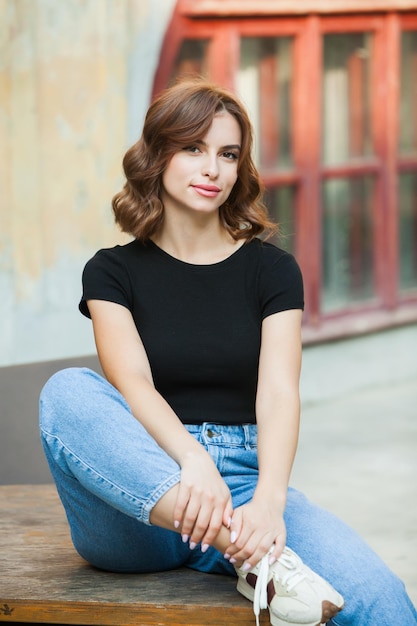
pixel 209 191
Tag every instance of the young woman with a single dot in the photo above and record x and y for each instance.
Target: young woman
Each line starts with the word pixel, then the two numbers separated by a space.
pixel 182 454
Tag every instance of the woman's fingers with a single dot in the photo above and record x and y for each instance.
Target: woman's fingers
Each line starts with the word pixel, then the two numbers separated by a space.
pixel 249 549
pixel 206 528
pixel 183 498
pixel 228 514
pixel 253 533
pixel 279 545
pixel 236 527
pixel 199 517
pixel 219 515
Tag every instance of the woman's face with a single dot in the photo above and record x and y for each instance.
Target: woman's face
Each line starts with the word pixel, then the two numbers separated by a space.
pixel 200 177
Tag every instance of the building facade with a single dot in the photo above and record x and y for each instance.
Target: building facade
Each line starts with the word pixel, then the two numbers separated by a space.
pixel 331 86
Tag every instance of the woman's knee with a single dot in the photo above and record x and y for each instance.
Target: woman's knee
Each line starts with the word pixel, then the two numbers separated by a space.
pixel 63 391
pixel 67 381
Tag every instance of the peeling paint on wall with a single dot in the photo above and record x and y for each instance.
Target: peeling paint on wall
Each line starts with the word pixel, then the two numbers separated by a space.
pixel 75 78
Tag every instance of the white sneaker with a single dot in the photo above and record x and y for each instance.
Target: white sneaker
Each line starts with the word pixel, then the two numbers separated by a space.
pixel 293 593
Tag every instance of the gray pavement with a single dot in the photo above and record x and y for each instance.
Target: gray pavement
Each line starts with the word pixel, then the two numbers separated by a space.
pixel 357 457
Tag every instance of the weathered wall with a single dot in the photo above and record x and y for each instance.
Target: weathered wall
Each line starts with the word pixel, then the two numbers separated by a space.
pixel 75 82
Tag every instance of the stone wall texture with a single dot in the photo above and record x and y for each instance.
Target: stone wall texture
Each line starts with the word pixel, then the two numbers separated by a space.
pixel 75 82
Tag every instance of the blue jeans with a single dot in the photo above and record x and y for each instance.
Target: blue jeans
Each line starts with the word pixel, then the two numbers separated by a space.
pixel 110 473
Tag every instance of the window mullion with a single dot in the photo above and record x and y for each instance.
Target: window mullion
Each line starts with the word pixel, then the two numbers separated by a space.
pixel 386 111
pixel 307 138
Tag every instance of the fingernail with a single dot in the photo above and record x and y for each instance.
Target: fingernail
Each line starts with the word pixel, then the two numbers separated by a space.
pixel 233 536
pixel 205 547
pixel 246 567
pixel 232 561
pixel 229 523
pixel 176 524
pixel 184 538
pixel 192 545
pixel 227 556
pixel 271 560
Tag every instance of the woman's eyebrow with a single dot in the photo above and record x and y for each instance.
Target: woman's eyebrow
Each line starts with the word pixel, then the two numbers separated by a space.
pixel 232 146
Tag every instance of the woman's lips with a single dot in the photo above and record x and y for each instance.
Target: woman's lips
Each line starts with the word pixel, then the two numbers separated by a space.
pixel 209 191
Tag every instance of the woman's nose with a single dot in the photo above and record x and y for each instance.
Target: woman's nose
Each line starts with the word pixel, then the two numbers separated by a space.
pixel 210 167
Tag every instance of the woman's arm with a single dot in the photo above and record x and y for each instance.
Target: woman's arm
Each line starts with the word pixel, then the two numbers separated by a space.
pixel 125 364
pixel 278 403
pixel 260 524
pixel 204 502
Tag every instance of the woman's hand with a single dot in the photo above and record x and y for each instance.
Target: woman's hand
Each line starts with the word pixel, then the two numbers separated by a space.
pixel 255 527
pixel 204 503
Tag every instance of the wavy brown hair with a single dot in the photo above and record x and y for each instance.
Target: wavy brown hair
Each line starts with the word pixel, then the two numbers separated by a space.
pixel 178 117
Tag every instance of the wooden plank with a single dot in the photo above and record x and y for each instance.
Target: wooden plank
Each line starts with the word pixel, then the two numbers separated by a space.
pixel 43 580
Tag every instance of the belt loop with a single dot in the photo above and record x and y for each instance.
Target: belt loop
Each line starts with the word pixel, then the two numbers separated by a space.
pixel 247 436
pixel 250 431
pixel 204 428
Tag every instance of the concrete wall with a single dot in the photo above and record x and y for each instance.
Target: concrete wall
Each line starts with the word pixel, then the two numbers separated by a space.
pixel 75 82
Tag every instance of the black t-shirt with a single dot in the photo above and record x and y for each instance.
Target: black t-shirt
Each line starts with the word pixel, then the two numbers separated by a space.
pixel 200 324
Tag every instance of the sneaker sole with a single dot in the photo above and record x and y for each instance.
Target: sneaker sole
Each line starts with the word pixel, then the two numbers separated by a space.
pixel 331 609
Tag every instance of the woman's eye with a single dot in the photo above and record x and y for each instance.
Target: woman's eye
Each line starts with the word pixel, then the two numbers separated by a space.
pixel 230 155
pixel 193 149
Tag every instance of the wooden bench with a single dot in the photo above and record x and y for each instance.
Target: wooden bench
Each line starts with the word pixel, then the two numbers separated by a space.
pixel 44 581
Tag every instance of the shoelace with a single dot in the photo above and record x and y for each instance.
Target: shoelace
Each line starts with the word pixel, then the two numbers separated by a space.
pixel 294 576
pixel 260 598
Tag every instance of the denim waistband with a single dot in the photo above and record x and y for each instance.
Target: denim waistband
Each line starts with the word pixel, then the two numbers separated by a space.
pixel 211 433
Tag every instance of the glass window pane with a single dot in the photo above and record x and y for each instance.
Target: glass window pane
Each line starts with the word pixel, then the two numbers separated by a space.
pixel 191 59
pixel 408 94
pixel 346 97
pixel 408 232
pixel 281 206
pixel 347 243
pixel 264 84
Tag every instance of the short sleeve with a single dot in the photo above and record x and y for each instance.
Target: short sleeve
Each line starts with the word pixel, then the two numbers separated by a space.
pixel 105 277
pixel 281 282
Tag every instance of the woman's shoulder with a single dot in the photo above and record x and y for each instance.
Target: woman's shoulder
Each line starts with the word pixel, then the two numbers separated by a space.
pixel 109 274
pixel 270 254
pixel 131 248
pixel 119 262
pixel 280 281
pixel 276 264
pixel 120 253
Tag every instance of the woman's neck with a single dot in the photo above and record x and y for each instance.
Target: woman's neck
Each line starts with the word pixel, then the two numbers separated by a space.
pixel 199 244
